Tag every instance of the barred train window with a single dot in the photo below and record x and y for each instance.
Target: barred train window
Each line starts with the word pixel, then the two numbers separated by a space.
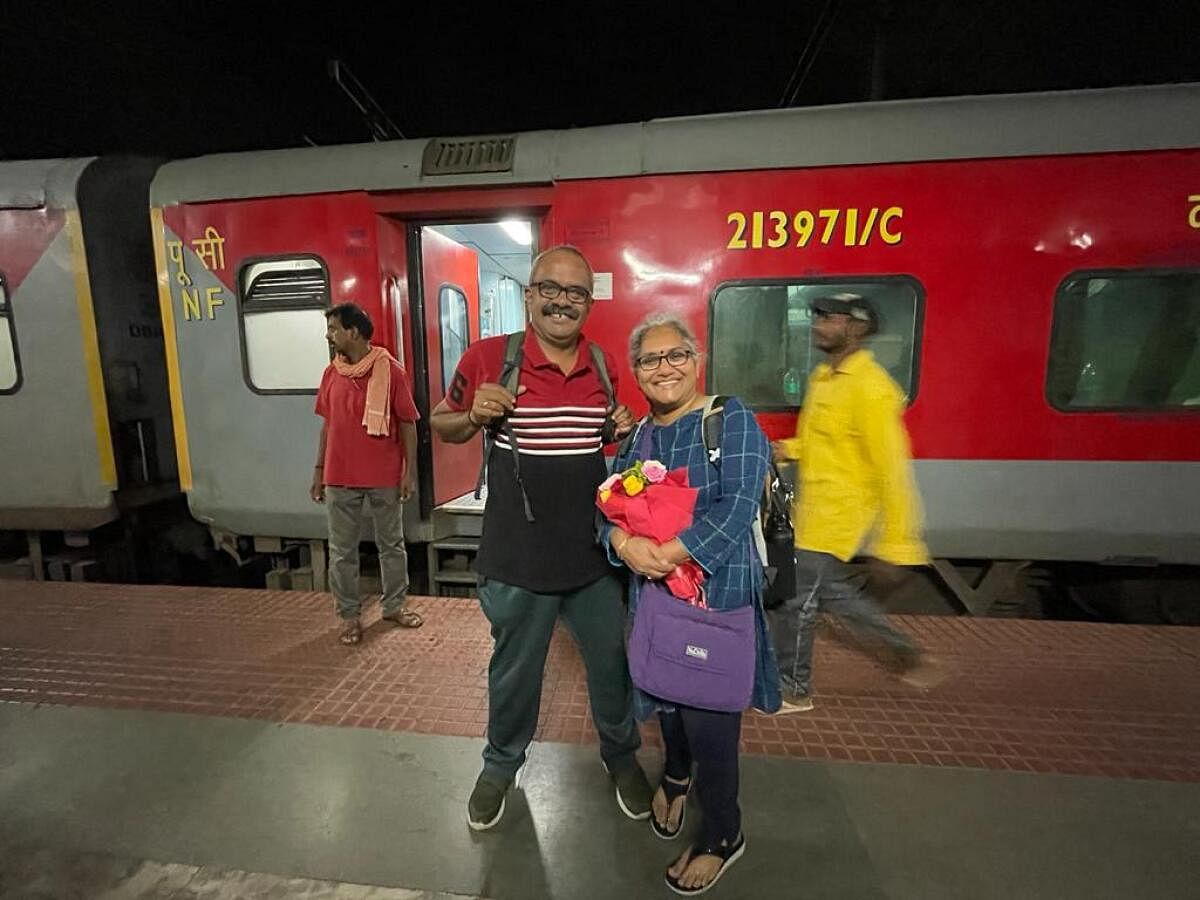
pixel 761 339
pixel 452 308
pixel 1126 340
pixel 283 305
pixel 10 367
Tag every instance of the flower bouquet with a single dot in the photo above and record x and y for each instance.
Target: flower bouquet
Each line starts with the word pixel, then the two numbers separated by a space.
pixel 648 501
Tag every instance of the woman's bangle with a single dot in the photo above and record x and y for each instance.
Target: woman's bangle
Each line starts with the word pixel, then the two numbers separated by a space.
pixel 617 549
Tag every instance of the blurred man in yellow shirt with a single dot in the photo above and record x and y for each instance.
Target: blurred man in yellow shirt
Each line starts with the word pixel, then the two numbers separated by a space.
pixel 856 495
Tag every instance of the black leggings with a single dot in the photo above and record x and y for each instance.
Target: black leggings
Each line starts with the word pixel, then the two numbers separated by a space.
pixel 710 740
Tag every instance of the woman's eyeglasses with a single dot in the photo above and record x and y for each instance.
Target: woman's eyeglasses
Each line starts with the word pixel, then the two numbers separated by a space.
pixel 676 357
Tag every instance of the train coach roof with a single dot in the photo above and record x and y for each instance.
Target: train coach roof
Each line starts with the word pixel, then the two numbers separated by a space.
pixel 33 184
pixel 1095 121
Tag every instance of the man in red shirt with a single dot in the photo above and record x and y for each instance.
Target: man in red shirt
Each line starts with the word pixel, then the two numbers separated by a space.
pixel 366 464
pixel 538 557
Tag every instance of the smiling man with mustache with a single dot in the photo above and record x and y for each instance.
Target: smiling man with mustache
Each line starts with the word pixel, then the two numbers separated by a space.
pixel 538 557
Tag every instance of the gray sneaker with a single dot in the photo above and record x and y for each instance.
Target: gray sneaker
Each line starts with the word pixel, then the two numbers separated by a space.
pixel 795 703
pixel 486 806
pixel 634 793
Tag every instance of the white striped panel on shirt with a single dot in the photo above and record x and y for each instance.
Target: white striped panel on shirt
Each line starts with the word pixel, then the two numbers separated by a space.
pixel 543 421
pixel 578 440
pixel 565 431
pixel 542 410
pixel 556 430
pixel 563 451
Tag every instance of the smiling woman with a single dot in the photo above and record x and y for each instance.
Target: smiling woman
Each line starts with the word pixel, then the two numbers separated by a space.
pixel 663 354
pixel 665 358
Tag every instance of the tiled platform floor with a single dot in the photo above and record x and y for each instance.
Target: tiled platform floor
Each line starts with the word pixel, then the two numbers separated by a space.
pixel 1119 701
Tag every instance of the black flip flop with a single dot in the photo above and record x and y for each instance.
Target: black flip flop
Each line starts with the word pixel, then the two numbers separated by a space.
pixel 672 791
pixel 727 853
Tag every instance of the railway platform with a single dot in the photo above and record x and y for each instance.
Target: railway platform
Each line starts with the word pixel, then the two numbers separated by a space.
pixel 193 741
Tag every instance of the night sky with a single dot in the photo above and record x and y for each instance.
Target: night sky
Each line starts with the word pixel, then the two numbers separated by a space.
pixel 178 79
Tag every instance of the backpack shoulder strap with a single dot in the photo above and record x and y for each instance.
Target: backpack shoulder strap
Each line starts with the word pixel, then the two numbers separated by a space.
pixel 609 431
pixel 628 441
pixel 601 368
pixel 510 371
pixel 510 376
pixel 711 425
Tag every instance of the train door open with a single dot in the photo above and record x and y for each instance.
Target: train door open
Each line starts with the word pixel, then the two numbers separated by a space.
pixel 464 282
pixel 472 279
pixel 453 267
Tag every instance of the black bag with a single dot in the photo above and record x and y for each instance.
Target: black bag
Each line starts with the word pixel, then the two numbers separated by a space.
pixel 779 538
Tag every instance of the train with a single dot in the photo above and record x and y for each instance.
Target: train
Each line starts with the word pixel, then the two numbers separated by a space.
pixel 85 414
pixel 1035 259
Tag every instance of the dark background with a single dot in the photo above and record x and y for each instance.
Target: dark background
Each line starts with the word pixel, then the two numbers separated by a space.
pixel 194 77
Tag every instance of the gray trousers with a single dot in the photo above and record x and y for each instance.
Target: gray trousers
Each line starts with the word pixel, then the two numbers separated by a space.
pixel 347 508
pixel 825 583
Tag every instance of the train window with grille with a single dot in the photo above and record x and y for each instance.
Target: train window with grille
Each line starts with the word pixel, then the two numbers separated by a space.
pixel 760 335
pixel 1126 340
pixel 283 306
pixel 452 308
pixel 10 362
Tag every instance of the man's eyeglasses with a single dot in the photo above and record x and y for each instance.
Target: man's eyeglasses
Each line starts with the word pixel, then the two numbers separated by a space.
pixel 676 356
pixel 552 290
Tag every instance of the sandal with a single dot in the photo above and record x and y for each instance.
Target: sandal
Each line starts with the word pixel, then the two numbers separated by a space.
pixel 727 853
pixel 405 618
pixel 352 633
pixel 672 791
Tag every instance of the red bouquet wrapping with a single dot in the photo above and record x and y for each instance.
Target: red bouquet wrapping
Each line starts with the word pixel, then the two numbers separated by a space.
pixel 648 501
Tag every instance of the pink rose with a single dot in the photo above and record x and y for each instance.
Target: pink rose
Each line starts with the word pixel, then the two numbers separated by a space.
pixel 654 471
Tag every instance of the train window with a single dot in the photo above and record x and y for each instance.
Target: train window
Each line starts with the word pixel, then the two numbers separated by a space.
pixel 10 363
pixel 760 340
pixel 283 305
pixel 1126 340
pixel 452 308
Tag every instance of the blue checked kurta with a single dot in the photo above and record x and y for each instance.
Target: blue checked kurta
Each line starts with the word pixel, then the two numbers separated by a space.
pixel 720 537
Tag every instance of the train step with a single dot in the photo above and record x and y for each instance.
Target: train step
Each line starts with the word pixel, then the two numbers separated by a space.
pixel 452 562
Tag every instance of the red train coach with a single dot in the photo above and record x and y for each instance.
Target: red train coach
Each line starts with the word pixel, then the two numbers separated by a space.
pixel 1036 259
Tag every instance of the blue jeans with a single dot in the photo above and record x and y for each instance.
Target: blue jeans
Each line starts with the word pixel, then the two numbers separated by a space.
pixel 825 583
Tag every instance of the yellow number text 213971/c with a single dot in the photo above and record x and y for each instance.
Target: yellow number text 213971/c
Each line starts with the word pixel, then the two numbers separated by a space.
pixel 851 227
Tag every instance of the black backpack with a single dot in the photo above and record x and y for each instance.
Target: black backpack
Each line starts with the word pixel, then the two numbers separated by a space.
pixel 510 377
pixel 773 534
